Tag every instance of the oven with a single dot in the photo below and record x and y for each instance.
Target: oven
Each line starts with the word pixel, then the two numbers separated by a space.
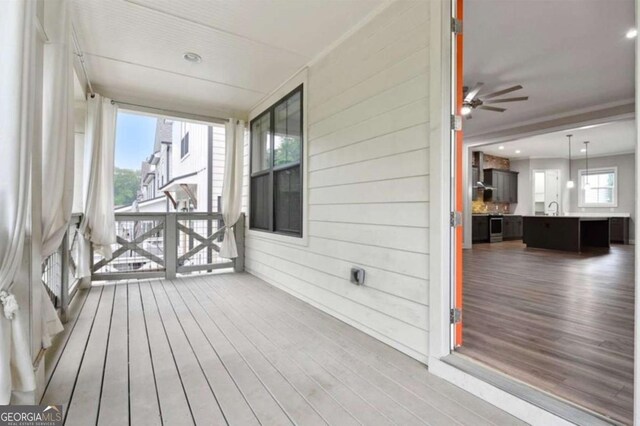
pixel 495 229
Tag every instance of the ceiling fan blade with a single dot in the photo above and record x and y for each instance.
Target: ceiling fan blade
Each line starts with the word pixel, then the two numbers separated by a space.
pixel 473 92
pixel 490 108
pixel 521 98
pixel 502 92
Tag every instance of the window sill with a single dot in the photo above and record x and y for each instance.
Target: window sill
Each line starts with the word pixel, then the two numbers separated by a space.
pixel 598 206
pixel 280 238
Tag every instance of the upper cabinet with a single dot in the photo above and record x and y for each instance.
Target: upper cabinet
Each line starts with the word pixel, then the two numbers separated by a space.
pixel 505 184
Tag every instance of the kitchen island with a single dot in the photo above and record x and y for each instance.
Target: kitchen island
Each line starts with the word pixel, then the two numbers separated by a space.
pixel 567 233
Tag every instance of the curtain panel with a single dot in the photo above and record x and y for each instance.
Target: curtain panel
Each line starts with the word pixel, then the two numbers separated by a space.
pixel 232 185
pixel 17 138
pixel 98 222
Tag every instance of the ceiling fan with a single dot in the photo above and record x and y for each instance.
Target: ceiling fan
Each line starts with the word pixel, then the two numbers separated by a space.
pixel 473 101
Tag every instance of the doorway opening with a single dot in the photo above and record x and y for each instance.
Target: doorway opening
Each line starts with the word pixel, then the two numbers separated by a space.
pixel 544 270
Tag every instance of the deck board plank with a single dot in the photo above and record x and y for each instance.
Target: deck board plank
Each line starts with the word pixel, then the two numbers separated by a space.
pixel 230 349
pixel 85 400
pixel 174 406
pixel 388 374
pixel 323 402
pixel 203 402
pixel 265 406
pixel 145 409
pixel 296 406
pixel 114 402
pixel 229 397
pixel 60 386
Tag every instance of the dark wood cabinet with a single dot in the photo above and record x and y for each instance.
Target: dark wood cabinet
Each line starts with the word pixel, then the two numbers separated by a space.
pixel 505 186
pixel 619 230
pixel 480 228
pixel 512 228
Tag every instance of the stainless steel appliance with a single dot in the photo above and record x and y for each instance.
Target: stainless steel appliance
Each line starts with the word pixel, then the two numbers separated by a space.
pixel 495 229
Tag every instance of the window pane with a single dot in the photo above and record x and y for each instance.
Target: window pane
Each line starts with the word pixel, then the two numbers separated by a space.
pixel 260 202
pixel 288 213
pixel 287 137
pixel 260 144
pixel 605 195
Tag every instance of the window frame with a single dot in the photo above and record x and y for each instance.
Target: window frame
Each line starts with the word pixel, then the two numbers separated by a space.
pixel 272 170
pixel 595 171
pixel 183 152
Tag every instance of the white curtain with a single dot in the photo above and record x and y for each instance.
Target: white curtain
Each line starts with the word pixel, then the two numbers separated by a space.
pixel 232 185
pixel 98 222
pixel 57 144
pixel 57 127
pixel 17 115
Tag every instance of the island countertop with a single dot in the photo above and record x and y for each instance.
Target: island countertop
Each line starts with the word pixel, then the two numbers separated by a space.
pixel 568 233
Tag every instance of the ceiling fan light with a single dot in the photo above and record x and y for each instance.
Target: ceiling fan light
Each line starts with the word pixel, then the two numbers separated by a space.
pixel 465 110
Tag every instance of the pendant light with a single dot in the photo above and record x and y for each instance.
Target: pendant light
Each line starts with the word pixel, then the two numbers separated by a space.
pixel 586 158
pixel 570 183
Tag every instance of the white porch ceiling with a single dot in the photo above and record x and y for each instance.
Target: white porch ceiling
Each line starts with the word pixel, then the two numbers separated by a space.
pixel 134 48
pixel 618 137
pixel 568 55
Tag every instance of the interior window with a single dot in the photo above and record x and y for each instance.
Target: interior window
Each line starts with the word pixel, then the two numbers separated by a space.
pixel 598 188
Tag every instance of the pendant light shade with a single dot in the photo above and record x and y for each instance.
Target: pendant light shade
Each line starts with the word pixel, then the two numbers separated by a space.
pixel 570 183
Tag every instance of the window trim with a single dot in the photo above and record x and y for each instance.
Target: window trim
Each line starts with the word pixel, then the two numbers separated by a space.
pixel 598 170
pixel 273 169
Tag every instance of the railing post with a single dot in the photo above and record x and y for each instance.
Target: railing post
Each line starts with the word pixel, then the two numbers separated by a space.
pixel 171 245
pixel 238 230
pixel 64 276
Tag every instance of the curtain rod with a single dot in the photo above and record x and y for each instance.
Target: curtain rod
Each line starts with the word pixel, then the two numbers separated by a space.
pixel 171 113
pixel 80 55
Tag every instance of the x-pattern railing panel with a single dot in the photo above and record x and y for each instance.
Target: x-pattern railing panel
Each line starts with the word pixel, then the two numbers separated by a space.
pixel 166 244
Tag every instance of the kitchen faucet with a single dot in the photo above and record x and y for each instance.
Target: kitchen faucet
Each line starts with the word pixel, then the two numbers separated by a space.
pixel 557 207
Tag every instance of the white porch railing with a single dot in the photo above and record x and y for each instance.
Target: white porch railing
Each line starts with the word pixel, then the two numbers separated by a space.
pixel 154 245
pixel 59 269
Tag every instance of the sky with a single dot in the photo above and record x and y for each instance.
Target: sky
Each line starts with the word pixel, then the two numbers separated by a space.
pixel 135 136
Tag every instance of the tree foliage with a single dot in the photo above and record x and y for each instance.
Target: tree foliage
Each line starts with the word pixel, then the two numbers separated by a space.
pixel 126 184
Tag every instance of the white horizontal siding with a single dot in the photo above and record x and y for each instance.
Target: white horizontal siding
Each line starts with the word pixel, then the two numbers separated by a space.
pixel 367 173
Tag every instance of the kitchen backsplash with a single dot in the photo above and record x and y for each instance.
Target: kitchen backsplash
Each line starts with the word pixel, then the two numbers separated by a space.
pixel 480 206
pixel 493 162
pixel 490 162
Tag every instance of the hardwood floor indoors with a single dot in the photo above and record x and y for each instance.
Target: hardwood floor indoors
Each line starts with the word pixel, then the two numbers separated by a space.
pixel 562 322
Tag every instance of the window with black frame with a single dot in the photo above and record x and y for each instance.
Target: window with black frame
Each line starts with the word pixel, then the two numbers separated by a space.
pixel 276 167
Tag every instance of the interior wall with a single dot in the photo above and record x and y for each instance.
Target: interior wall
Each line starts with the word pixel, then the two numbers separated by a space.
pixel 525 168
pixel 626 165
pixel 367 170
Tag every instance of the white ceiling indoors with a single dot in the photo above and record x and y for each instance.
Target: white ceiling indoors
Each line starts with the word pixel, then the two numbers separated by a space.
pixel 617 137
pixel 568 55
pixel 134 48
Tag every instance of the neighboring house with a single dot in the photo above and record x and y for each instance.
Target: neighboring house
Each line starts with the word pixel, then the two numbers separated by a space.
pixel 176 175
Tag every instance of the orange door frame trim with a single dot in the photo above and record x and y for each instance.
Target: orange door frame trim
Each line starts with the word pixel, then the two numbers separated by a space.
pixel 459 187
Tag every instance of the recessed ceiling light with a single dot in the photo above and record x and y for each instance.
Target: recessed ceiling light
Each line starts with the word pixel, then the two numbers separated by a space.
pixel 192 57
pixel 632 33
pixel 517 151
pixel 583 150
pixel 501 147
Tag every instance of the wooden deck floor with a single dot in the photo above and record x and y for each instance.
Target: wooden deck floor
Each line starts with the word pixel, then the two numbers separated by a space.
pixel 230 349
pixel 563 322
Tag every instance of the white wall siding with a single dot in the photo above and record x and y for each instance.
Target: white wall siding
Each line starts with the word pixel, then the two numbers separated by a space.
pixel 367 179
